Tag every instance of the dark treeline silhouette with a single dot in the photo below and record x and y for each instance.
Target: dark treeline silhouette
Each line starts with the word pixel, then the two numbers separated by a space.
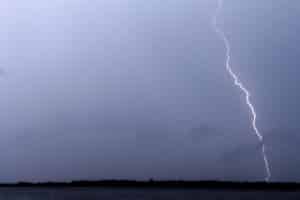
pixel 163 184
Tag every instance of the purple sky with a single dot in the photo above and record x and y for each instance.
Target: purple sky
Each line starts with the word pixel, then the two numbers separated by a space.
pixel 136 89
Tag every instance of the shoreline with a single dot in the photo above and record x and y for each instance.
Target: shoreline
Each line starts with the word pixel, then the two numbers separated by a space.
pixel 226 185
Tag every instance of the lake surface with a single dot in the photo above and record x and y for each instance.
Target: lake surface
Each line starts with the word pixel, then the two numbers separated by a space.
pixel 137 194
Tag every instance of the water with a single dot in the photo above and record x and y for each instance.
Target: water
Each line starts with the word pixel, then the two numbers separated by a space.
pixel 137 194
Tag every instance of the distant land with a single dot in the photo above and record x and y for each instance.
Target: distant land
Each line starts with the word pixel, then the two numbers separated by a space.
pixel 164 184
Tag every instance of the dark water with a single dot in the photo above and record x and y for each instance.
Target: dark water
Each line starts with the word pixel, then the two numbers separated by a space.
pixel 137 194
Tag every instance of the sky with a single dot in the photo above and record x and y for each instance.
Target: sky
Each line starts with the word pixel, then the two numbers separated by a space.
pixel 128 89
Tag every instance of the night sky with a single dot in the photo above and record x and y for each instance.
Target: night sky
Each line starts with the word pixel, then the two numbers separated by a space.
pixel 131 89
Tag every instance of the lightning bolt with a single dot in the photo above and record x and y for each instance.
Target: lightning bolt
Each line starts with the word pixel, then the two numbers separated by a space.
pixel 240 85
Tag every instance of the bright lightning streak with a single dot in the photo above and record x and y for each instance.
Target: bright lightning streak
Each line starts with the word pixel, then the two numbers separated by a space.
pixel 241 86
